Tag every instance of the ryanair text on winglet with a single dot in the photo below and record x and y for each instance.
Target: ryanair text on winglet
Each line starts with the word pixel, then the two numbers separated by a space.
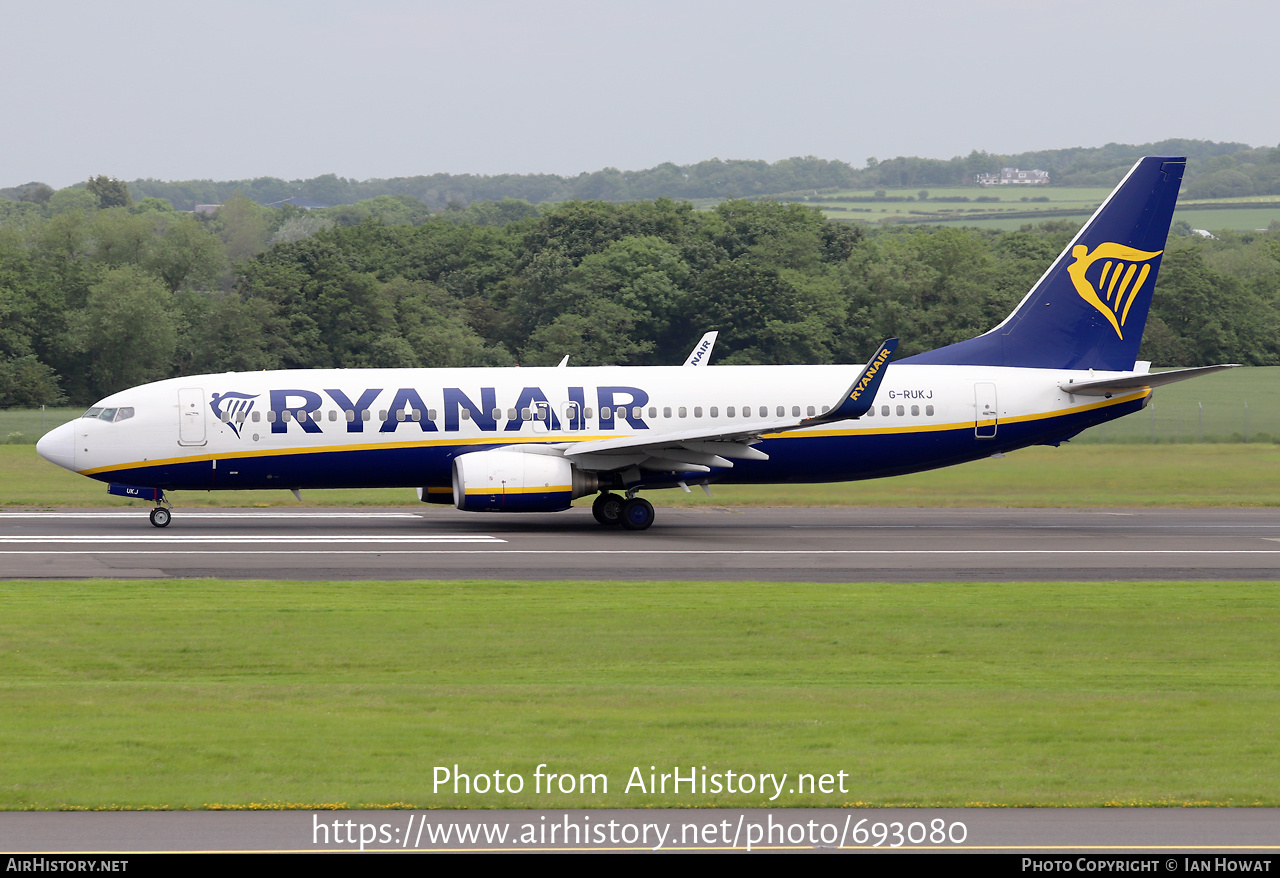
pixel 871 373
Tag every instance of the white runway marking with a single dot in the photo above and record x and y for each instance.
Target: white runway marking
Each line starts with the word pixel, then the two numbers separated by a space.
pixel 1075 526
pixel 576 552
pixel 230 540
pixel 137 511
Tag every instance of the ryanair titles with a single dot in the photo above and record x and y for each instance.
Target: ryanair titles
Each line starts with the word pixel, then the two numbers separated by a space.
pixel 387 410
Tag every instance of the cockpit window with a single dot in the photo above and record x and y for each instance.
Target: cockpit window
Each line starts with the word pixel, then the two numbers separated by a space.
pixel 110 415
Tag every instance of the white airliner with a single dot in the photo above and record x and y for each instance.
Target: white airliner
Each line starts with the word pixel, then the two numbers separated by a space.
pixel 534 439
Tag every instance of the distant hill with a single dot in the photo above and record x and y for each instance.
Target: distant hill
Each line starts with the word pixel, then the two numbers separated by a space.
pixel 1215 170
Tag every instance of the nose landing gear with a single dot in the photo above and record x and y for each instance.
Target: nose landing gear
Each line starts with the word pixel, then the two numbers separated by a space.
pixel 160 515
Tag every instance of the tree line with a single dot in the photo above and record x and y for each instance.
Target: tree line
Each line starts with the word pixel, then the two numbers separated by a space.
pixel 1215 170
pixel 97 296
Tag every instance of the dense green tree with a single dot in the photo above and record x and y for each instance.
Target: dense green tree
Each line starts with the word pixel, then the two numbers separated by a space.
pixel 126 331
pixel 243 227
pixel 109 192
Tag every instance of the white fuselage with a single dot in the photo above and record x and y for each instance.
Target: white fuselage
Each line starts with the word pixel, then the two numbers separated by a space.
pixel 403 427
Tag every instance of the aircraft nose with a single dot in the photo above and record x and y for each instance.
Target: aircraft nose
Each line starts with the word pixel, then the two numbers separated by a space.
pixel 59 446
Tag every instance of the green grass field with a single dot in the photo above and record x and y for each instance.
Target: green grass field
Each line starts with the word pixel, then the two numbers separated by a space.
pixel 1075 475
pixel 25 426
pixel 1011 212
pixel 187 694
pixel 1233 406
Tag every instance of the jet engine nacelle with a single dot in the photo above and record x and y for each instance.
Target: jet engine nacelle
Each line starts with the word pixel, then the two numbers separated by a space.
pixel 517 481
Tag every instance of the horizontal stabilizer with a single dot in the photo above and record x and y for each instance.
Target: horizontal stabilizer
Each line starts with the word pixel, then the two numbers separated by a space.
pixel 1126 383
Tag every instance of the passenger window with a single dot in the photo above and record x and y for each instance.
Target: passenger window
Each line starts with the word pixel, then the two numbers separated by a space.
pixel 666 411
pixel 915 411
pixel 901 411
pixel 511 414
pixel 382 414
pixel 350 415
pixel 271 416
pixel 635 413
pixel 811 411
pixel 526 415
pixel 333 415
pixel 928 410
pixel 466 414
pixel 257 416
pixel 653 412
pixel 286 415
pixel 782 410
pixel 497 414
pixel 431 414
pixel 697 411
pixel 604 413
pixel 884 411
pixel 795 411
pixel 715 412
pixel 417 414
pixel 764 411
pixel 825 409
pixel 586 413
pixel 871 412
pixel 682 412
pixel 730 412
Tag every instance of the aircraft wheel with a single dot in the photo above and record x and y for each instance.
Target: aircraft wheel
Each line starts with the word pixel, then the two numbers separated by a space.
pixel 608 509
pixel 161 517
pixel 637 514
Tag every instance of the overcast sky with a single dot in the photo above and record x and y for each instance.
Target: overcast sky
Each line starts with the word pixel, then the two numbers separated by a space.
pixel 381 88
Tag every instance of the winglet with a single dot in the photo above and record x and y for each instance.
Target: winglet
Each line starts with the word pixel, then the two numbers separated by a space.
pixel 861 394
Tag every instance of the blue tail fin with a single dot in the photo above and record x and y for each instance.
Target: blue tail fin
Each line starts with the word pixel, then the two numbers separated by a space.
pixel 1088 310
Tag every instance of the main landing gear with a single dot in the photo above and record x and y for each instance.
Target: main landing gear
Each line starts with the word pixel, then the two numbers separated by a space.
pixel 633 513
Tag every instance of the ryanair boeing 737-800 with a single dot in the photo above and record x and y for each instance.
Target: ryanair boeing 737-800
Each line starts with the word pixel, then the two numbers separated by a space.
pixel 534 439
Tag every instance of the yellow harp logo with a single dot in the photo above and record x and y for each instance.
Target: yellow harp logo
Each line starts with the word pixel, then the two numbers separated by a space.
pixel 1111 288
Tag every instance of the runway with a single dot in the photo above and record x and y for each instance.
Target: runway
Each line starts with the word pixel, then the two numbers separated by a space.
pixel 707 543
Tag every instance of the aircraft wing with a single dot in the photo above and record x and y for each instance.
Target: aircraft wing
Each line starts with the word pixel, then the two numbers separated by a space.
pixel 699 450
pixel 1126 383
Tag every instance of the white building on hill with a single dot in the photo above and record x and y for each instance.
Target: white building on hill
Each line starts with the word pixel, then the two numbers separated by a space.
pixel 1013 177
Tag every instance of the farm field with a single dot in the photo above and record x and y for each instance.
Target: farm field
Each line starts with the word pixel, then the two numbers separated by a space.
pixel 1010 211
pixel 198 693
